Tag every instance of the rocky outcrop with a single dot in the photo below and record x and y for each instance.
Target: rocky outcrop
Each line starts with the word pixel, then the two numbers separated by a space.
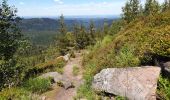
pixel 137 83
pixel 58 78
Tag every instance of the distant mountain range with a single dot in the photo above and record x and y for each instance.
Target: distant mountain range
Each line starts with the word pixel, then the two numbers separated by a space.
pixel 50 24
pixel 42 31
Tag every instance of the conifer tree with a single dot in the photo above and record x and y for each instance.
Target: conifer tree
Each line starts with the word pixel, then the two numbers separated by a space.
pixel 61 40
pixel 10 40
pixel 127 12
pixel 135 5
pixel 106 28
pixel 62 29
pixel 141 10
pixel 10 34
pixel 166 5
pixel 131 10
pixel 92 29
pixel 151 7
pixel 92 32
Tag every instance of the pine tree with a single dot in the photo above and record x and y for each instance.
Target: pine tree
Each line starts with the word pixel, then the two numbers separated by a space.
pixel 127 12
pixel 106 28
pixel 166 5
pixel 61 40
pixel 135 4
pixel 151 7
pixel 10 34
pixel 92 29
pixel 82 38
pixel 131 10
pixel 141 10
pixel 92 32
pixel 62 29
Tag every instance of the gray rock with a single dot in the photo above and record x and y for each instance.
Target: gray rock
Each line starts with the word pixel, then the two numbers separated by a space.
pixel 167 66
pixel 58 78
pixel 137 83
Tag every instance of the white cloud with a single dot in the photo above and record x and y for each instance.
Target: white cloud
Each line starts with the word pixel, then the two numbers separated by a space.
pixel 59 1
pixel 93 8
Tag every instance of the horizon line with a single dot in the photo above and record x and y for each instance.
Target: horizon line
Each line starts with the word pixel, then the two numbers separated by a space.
pixel 74 16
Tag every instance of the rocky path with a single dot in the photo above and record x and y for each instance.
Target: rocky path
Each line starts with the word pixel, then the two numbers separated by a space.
pixel 59 93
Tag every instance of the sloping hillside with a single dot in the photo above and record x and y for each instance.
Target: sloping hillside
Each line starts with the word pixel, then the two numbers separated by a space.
pixel 141 42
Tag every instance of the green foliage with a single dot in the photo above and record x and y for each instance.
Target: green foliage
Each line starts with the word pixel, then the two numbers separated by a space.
pixel 17 94
pixel 85 91
pixel 62 29
pixel 11 74
pixel 92 32
pixel 37 85
pixel 10 35
pixel 75 70
pixel 82 38
pixel 137 44
pixel 131 10
pixel 152 7
pixel 166 5
pixel 51 65
pixel 164 88
pixel 120 98
pixel 126 57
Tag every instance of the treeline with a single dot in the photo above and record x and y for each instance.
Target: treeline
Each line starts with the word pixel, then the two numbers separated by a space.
pixel 80 37
pixel 134 9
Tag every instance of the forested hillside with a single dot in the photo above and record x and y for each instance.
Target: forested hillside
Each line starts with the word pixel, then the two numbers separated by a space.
pixel 81 48
pixel 42 31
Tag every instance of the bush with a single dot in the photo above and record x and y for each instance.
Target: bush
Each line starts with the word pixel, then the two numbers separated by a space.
pixel 37 85
pixel 75 70
pixel 11 73
pixel 17 94
pixel 52 65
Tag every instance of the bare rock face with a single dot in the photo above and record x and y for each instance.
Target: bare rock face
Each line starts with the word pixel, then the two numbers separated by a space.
pixel 58 78
pixel 137 83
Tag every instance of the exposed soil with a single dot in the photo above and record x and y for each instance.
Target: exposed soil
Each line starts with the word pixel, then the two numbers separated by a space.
pixel 59 93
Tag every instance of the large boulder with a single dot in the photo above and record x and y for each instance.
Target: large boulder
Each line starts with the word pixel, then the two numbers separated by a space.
pixel 137 83
pixel 58 78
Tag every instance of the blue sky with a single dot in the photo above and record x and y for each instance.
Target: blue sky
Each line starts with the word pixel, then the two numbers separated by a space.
pixel 68 7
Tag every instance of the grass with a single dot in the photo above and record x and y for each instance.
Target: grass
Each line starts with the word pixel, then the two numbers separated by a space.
pixel 75 70
pixel 37 85
pixel 17 94
pixel 137 44
pixel 164 88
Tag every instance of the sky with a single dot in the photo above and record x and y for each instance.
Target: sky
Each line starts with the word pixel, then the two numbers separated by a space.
pixel 38 8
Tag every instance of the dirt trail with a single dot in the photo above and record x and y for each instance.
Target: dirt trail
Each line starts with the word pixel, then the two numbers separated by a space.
pixel 59 93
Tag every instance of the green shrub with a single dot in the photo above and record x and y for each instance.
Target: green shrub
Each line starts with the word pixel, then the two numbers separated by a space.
pixel 37 85
pixel 164 88
pixel 75 70
pixel 17 94
pixel 126 57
